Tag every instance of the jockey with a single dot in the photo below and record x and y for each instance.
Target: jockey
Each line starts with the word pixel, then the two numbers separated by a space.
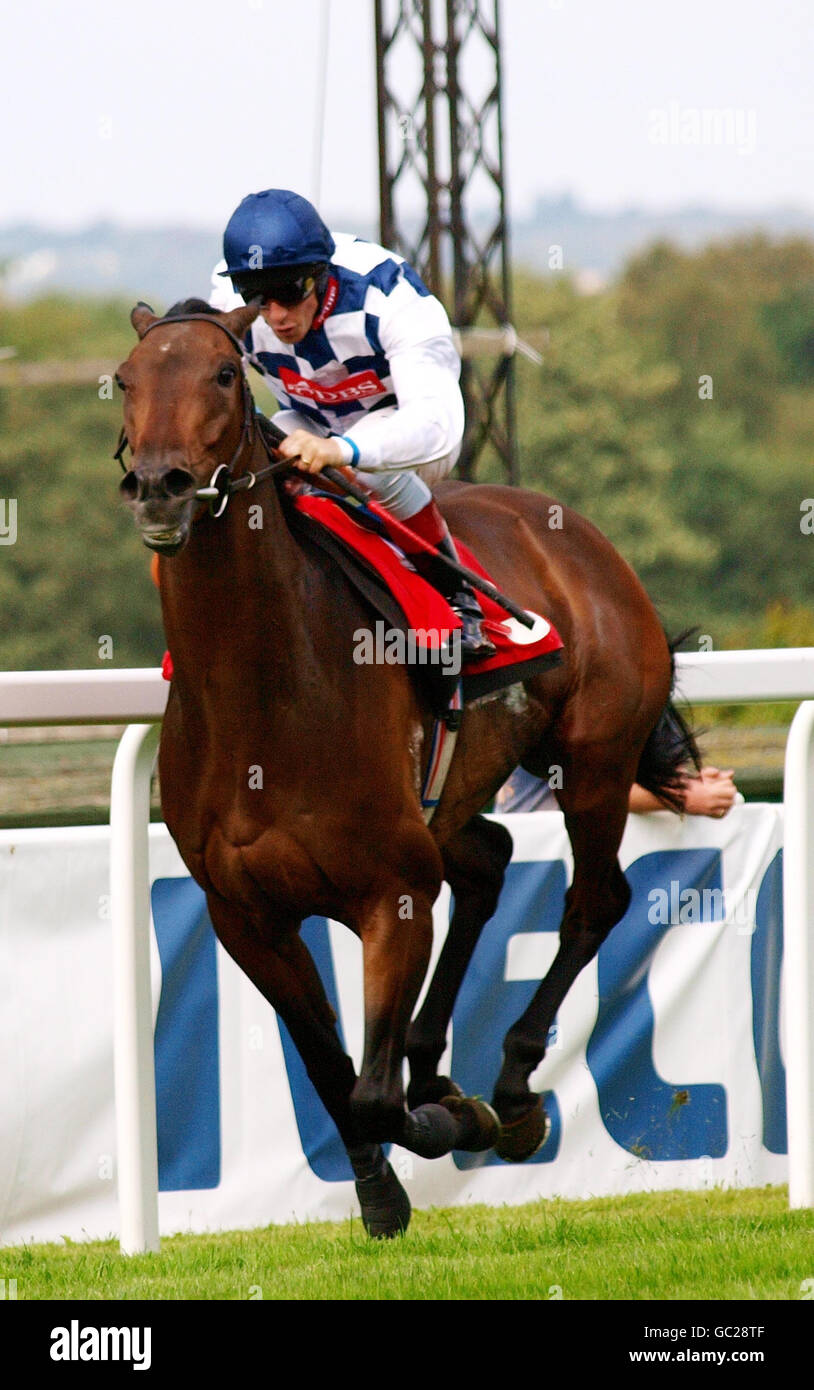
pixel 360 357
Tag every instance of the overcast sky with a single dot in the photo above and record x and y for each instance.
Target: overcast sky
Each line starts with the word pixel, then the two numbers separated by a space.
pixel 171 110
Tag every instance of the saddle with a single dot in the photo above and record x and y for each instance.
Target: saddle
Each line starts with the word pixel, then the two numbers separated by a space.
pixel 414 625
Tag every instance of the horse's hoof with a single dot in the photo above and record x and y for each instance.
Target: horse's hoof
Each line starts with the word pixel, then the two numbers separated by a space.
pixel 479 1125
pixel 523 1137
pixel 432 1092
pixel 385 1205
pixel 429 1131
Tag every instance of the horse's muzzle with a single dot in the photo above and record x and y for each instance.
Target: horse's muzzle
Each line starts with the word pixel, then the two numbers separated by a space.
pixel 162 504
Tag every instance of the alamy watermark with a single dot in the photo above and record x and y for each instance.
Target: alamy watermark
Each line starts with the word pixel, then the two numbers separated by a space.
pixel 8 521
pixel 730 126
pixel 675 906
pixel 394 646
pixel 75 1343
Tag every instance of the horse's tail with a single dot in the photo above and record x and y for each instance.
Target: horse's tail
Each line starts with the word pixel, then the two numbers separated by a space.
pixel 669 748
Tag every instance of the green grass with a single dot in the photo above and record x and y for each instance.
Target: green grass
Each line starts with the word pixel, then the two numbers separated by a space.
pixel 733 1245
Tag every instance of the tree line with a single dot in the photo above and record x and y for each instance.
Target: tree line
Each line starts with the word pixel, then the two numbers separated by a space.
pixel 674 408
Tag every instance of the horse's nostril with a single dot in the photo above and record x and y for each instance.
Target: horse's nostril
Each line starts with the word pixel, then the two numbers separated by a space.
pixel 178 481
pixel 143 487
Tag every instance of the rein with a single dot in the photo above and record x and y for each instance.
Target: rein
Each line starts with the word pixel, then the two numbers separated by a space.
pixel 222 484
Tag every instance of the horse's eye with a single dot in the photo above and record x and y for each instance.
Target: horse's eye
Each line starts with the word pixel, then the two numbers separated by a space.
pixel 119 382
pixel 226 375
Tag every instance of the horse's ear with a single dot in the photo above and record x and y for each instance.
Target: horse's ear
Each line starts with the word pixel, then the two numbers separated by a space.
pixel 238 320
pixel 143 318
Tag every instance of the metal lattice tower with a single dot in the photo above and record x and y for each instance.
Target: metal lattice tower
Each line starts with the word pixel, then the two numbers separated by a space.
pixel 441 190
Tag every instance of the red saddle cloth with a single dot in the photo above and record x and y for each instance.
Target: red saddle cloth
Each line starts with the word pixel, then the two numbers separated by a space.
pixel 521 652
pixel 426 611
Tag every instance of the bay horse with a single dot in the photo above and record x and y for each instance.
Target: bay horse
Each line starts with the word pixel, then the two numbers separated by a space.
pixel 260 624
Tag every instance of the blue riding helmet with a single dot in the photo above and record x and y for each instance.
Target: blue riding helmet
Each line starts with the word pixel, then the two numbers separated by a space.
pixel 272 230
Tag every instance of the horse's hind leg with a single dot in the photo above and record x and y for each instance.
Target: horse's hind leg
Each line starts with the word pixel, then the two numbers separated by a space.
pixel 598 897
pixel 475 863
pixel 284 972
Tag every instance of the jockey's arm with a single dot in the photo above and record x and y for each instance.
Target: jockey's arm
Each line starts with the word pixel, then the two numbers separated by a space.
pixel 426 425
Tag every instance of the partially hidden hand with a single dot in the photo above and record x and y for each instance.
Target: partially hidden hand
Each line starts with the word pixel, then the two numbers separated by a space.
pixel 311 451
pixel 712 793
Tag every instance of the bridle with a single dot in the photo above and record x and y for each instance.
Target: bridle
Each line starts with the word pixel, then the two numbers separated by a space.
pixel 222 483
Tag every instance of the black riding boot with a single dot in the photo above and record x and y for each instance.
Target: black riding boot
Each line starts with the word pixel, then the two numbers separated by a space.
pixel 462 599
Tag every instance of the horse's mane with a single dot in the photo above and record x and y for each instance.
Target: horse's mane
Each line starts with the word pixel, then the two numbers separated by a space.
pixel 191 306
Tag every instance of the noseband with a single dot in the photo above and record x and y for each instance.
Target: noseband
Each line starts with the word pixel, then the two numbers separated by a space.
pixel 222 484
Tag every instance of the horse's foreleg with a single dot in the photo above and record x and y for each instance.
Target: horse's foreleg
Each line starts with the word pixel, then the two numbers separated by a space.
pixel 598 897
pixel 283 970
pixel 396 941
pixel 474 866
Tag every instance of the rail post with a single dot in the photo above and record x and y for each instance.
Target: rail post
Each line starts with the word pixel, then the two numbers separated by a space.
pixel 134 1060
pixel 798 952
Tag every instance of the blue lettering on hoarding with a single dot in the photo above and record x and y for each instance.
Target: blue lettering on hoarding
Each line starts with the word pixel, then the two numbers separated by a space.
pixel 646 1115
pixel 766 962
pixel 187 1072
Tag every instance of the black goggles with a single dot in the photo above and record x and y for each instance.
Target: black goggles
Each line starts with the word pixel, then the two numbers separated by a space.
pixel 288 291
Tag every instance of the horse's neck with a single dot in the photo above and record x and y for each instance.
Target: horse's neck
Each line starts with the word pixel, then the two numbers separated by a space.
pixel 235 596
